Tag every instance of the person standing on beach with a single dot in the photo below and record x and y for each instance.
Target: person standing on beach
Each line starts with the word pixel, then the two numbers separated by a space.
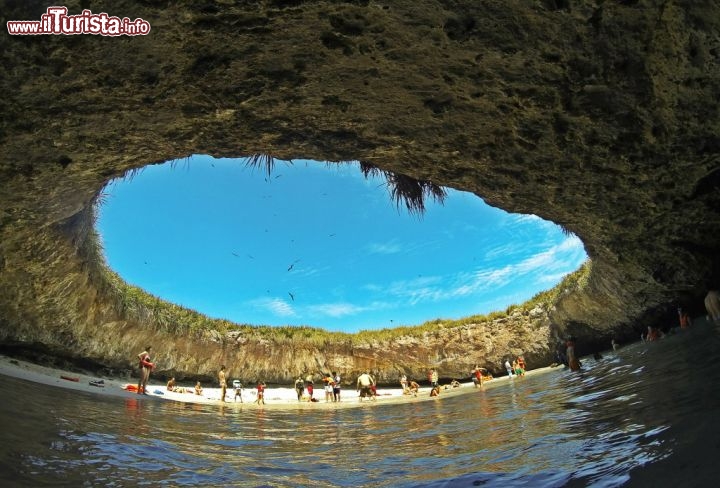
pixel 336 386
pixel 477 380
pixel 299 387
pixel 310 389
pixel 328 388
pixel 508 368
pixel 145 367
pixel 433 377
pixel 373 388
pixel 223 383
pixel 364 382
pixel 521 365
pixel 260 393
pixel 403 383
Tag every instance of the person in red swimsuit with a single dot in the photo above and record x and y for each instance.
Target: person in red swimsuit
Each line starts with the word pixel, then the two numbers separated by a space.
pixel 477 380
pixel 260 393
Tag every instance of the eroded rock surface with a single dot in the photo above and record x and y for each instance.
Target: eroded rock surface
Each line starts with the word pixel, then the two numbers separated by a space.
pixel 599 116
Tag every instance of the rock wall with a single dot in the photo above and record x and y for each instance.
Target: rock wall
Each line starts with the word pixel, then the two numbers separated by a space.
pixel 599 116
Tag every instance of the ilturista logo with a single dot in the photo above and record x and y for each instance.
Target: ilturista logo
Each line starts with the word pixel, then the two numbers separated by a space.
pixel 56 21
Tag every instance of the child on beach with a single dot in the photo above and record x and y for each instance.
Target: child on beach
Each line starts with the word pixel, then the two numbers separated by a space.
pixel 328 388
pixel 238 390
pixel 260 393
pixel 310 389
pixel 198 388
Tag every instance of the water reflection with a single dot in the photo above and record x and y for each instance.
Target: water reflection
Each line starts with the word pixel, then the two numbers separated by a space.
pixel 638 407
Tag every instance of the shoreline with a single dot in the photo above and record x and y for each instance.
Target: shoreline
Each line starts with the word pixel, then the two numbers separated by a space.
pixel 283 398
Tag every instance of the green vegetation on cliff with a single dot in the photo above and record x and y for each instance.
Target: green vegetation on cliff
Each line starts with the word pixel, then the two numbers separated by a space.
pixel 135 304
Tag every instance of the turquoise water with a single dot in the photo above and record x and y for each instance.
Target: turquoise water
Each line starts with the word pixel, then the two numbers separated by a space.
pixel 643 416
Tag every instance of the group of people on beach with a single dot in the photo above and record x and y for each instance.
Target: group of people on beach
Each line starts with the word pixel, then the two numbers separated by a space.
pixel 331 387
pixel 366 384
pixel 409 387
pixel 517 368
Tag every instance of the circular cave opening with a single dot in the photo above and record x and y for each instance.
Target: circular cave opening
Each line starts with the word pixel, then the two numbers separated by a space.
pixel 321 244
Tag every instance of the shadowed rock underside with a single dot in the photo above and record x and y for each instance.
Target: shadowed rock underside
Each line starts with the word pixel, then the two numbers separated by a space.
pixel 599 116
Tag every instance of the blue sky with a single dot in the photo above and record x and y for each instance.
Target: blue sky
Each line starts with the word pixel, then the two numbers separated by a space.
pixel 320 245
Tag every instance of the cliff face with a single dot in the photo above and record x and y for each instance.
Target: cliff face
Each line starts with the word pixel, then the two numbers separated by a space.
pixel 599 116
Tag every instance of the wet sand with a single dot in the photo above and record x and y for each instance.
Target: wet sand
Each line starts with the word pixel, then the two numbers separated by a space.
pixel 275 398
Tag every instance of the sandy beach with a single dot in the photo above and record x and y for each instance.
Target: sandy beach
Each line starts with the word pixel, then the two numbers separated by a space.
pixel 275 397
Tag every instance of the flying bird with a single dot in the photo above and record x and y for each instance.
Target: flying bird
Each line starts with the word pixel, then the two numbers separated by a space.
pixel 292 265
pixel 292 297
pixel 234 254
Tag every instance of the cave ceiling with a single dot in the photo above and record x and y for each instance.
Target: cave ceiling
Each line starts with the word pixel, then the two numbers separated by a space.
pixel 599 116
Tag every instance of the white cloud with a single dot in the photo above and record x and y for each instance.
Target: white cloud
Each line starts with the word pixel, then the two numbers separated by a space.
pixel 390 247
pixel 300 271
pixel 277 306
pixel 549 266
pixel 335 309
pixel 503 250
pixel 524 218
pixel 572 242
pixel 559 259
pixel 343 309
